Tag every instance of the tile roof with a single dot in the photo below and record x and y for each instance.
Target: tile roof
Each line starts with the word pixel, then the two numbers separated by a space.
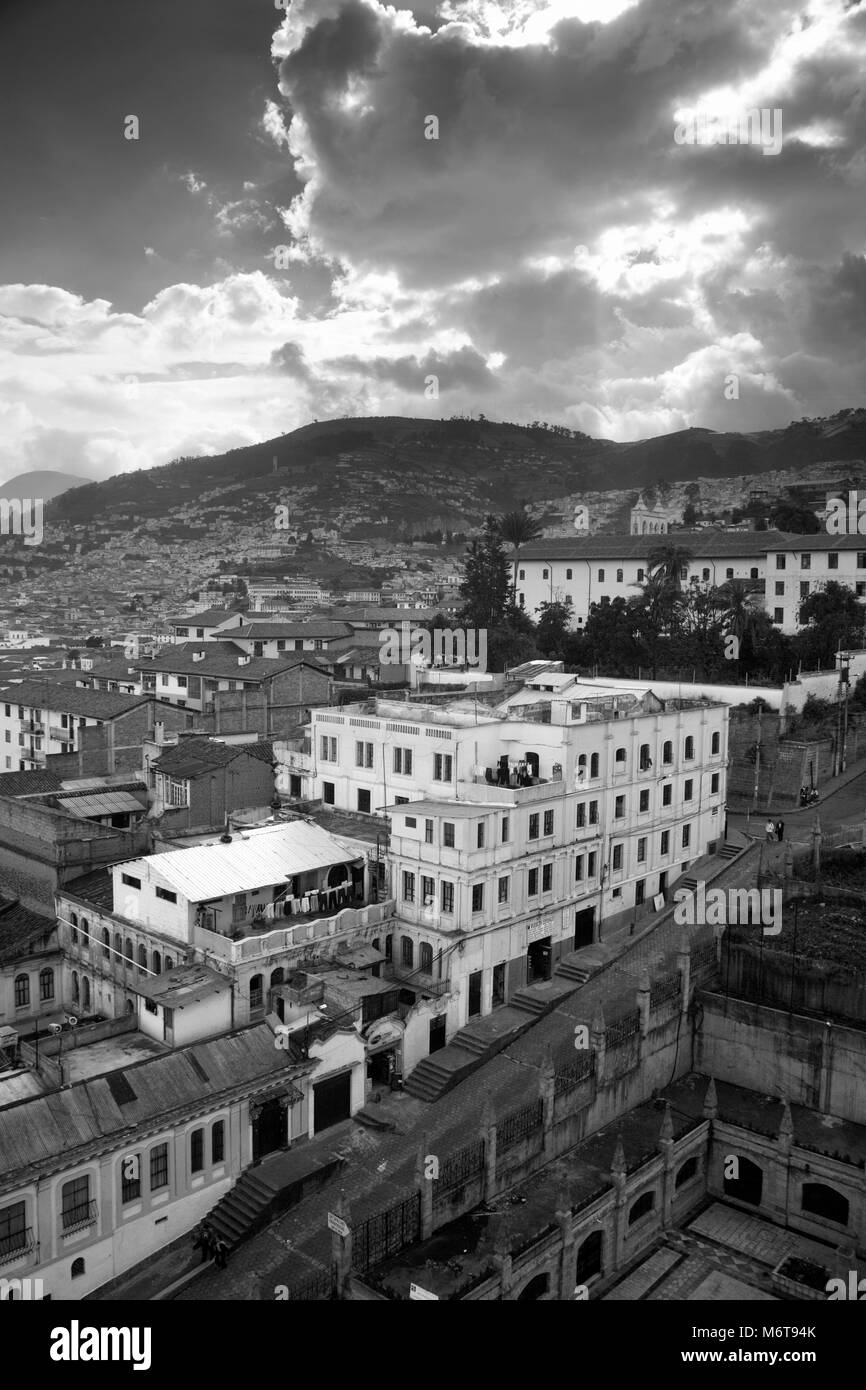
pixel 96 887
pixel 269 629
pixel 191 756
pixel 46 1130
pixel 709 544
pixel 69 699
pixel 208 617
pixel 18 928
pixel 254 859
pixel 36 783
pixel 224 665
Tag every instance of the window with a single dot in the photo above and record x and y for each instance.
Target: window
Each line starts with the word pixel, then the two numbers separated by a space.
pixel 545 574
pixel 505 830
pixel 363 755
pixel 642 1207
pixel 389 947
pixel 687 789
pixel 128 951
pixel 780 562
pixel 407 952
pixel 601 576
pixel 522 574
pixel 22 991
pixel 714 782
pixel 666 842
pixel 667 794
pixel 130 1178
pixel 643 802
pixel 619 808
pixel 594 765
pixel 328 748
pixel 639 892
pixel 408 887
pixel 859 589
pixel 619 576
pixel 196 1151
pixel 130 881
pixel 77 1269
pixel 428 832
pixel 617 857
pixel 715 746
pixel 581 814
pixel 46 984
pixel 118 948
pixel 805 562
pixel 477 897
pixel 578 868
pixel 106 944
pixel 778 615
pixel 753 574
pixel 833 561
pixel 593 813
pixel 448 834
pixel 619 760
pixel 403 761
pixel 426 965
pixel 646 761
pixel 590 864
pixel 13 1229
pixel 688 1171
pixel 729 573
pixel 548 823
pixel 687 835
pixel 411 821
pixel 780 588
pixel 534 821
pixel 428 891
pixel 364 802
pixel 690 747
pixel 547 878
pixel 167 895
pixel 804 589
pixel 442 767
pixel 142 958
pixel 532 883
pixel 447 897
pixel 503 890
pixel 85 933
pixel 479 835
pixel 169 963
pixel 157 963
pixel 256 991
pixel 75 1203
pixel 640 576
pixel 158 1167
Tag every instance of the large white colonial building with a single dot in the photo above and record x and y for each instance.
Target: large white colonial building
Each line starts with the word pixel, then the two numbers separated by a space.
pixel 787 568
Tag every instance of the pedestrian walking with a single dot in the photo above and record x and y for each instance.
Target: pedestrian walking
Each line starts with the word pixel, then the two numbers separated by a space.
pixel 221 1251
pixel 770 828
pixel 780 830
pixel 203 1241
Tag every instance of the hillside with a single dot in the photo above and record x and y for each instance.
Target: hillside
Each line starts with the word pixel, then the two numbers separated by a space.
pixel 45 483
pixel 379 475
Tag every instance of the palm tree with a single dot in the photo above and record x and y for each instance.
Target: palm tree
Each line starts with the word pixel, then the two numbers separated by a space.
pixel 741 612
pixel 516 529
pixel 670 560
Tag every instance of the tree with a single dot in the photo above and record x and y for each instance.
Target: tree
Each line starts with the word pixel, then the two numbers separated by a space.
pixel 833 619
pixel 690 514
pixel 670 560
pixel 93 641
pixel 794 516
pixel 517 529
pixel 612 638
pixel 485 587
pixel 553 628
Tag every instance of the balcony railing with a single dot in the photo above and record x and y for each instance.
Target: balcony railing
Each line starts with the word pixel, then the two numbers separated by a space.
pixel 297 932
pixel 78 1218
pixel 13 1247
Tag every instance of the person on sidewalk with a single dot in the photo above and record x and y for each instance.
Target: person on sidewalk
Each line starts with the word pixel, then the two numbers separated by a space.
pixel 203 1241
pixel 771 831
pixel 221 1251
pixel 780 830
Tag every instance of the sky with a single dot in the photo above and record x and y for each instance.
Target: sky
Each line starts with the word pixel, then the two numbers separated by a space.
pixel 349 208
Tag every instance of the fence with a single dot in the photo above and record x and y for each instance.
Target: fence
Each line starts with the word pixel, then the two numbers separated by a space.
pixel 572 1075
pixel 668 987
pixel 623 1029
pixel 385 1233
pixel 459 1169
pixel 321 1285
pixel 519 1125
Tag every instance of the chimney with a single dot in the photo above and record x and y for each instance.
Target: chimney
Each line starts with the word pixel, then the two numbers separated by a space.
pixel 244 660
pixel 199 656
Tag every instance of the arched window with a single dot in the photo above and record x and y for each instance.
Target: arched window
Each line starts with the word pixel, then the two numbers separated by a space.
pixel 118 948
pixel 142 958
pixel 22 991
pixel 407 951
pixel 688 1171
pixel 157 963
pixel 646 761
pixel 619 576
pixel 77 1267
pixel 619 760
pixel 196 1150
pixel 426 958
pixel 581 767
pixel 256 992
pixel 130 1007
pixel 85 933
pixel 589 1257
pixel 218 1142
pixel 276 977
pixel 746 1183
pixel 46 983
pixel 668 752
pixel 824 1201
pixel 128 951
pixel 536 1288
pixel 169 963
pixel 690 747
pixel 85 994
pixel 593 765
pixel 73 931
pixel 644 1204
pixel 716 743
pixel 75 991
pixel 106 944
pixel 389 946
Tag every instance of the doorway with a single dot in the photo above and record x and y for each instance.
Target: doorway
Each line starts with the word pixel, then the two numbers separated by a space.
pixel 269 1129
pixel 538 961
pixel 663 882
pixel 498 985
pixel 381 1066
pixel 437 1033
pixel 331 1101
pixel 584 927
pixel 475 980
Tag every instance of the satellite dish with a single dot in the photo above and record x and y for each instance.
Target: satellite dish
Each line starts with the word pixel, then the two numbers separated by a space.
pixel 72 1020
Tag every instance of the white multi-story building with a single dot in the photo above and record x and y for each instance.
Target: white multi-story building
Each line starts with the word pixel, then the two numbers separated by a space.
pixel 38 718
pixel 519 836
pixel 786 568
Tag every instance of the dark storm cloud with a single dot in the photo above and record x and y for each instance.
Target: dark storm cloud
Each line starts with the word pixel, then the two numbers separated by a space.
pixel 462 369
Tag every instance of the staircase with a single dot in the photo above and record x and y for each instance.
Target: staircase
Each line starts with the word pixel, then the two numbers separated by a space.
pixel 570 971
pixel 729 851
pixel 429 1080
pixel 243 1210
pixel 530 1003
pixel 478 1044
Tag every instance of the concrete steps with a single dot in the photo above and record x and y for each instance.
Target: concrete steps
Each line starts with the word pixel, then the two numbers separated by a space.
pixel 530 1003
pixel 568 970
pixel 729 851
pixel 430 1079
pixel 243 1210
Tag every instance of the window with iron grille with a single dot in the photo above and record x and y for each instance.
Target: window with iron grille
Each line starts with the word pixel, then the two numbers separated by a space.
pixel 74 1200
pixel 593 813
pixel 548 822
pixel 130 1178
pixel 13 1228
pixel 447 897
pixel 503 890
pixel 218 1141
pixel 546 878
pixel 477 897
pixel 22 991
pixel 428 890
pixel 196 1151
pixel 408 887
pixel 448 834
pixel 533 826
pixel 158 1167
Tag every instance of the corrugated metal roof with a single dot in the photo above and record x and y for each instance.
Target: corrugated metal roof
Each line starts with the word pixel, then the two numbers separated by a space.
pixel 109 804
pixel 260 858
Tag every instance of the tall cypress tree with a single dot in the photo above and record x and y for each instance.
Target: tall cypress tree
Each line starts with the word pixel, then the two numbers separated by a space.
pixel 485 587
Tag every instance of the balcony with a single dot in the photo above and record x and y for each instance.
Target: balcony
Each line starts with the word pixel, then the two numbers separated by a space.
pixel 78 1218
pixel 259 943
pixel 14 1247
pixel 63 735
